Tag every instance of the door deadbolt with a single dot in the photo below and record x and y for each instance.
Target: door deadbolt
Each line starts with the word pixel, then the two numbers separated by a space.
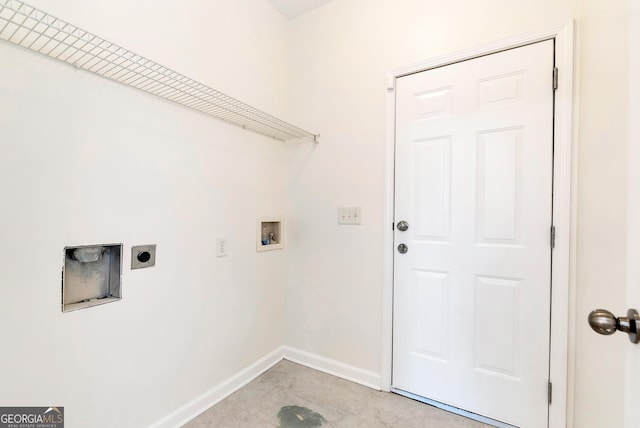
pixel 402 248
pixel 604 322
pixel 402 226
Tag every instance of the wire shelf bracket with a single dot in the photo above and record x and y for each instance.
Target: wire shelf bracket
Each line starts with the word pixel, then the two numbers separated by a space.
pixel 38 31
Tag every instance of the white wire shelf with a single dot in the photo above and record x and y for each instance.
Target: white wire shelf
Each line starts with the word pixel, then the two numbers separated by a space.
pixel 36 30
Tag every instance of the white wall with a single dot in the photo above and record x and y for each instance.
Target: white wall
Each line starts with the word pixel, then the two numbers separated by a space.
pixel 338 57
pixel 602 207
pixel 632 392
pixel 87 161
pixel 236 47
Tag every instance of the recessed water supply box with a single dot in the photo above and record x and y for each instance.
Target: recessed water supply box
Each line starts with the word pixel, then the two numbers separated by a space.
pixel 270 234
pixel 91 276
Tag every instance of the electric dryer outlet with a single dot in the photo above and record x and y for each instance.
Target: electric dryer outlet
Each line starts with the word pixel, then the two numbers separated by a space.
pixel 143 256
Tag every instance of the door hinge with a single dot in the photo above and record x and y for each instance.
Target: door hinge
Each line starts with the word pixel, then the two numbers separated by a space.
pixel 549 392
pixel 555 78
pixel 553 237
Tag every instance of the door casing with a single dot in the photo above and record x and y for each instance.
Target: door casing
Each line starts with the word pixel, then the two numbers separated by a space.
pixel 564 212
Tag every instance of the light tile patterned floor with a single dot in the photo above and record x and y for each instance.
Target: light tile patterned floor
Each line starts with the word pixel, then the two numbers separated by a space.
pixel 293 396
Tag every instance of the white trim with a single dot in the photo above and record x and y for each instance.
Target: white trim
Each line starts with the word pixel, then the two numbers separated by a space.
pixel 565 156
pixel 488 421
pixel 333 367
pixel 564 218
pixel 388 250
pixel 219 392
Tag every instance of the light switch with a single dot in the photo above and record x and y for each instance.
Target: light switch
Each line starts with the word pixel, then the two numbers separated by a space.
pixel 350 215
pixel 221 247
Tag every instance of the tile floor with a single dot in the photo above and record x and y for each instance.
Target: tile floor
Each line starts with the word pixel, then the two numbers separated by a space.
pixel 293 396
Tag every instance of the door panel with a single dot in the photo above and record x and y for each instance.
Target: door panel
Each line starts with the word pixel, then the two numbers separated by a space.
pixel 474 158
pixel 433 186
pixel 499 187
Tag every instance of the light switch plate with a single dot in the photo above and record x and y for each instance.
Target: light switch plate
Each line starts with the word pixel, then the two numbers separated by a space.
pixel 221 247
pixel 143 256
pixel 350 215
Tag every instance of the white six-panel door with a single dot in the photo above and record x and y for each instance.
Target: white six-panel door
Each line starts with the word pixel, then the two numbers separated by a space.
pixel 474 162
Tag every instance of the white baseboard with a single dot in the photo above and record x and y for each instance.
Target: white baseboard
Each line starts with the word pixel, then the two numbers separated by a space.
pixel 333 367
pixel 221 391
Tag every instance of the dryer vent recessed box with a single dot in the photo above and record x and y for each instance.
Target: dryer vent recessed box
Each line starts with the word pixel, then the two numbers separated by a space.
pixel 91 276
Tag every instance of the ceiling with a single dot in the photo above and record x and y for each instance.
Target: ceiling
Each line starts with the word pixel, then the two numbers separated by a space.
pixel 294 8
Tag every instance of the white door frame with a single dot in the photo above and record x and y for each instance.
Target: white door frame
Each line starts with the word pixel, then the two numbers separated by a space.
pixel 564 213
